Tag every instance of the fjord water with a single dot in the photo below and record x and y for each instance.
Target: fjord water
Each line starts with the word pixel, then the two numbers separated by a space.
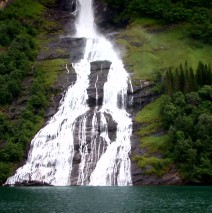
pixel 176 199
pixel 51 154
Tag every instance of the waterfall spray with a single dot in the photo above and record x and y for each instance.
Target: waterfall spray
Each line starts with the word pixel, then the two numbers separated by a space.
pixel 103 160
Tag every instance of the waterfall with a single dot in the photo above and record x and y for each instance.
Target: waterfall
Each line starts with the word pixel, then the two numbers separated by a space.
pixel 78 129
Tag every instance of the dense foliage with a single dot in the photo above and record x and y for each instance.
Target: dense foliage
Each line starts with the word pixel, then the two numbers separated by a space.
pixel 15 135
pixel 188 118
pixel 185 79
pixel 187 115
pixel 196 12
pixel 18 48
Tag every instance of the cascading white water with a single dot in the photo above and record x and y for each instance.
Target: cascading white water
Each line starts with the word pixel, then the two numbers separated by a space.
pixel 52 149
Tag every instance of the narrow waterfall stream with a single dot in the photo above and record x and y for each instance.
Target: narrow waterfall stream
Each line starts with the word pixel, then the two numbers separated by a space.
pixel 97 134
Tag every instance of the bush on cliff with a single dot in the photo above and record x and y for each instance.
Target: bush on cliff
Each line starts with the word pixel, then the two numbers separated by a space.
pixel 196 12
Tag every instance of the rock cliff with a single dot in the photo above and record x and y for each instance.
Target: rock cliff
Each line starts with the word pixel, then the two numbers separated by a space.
pixel 138 93
pixel 62 45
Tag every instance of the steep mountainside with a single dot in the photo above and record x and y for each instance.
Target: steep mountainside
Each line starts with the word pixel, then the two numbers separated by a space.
pixel 149 48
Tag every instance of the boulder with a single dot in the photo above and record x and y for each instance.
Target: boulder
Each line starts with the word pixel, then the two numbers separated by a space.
pixel 100 65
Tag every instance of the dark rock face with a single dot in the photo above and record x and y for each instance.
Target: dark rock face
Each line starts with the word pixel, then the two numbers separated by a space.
pixel 61 47
pixel 67 5
pixel 64 48
pixel 104 17
pixel 139 177
pixel 94 144
pixel 98 77
pixel 31 183
pixel 75 46
pixel 100 65
pixel 139 95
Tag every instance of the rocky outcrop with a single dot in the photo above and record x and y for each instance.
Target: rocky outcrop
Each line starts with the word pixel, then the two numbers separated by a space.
pixel 57 45
pixel 67 5
pixel 139 177
pixel 31 183
pixel 91 143
pixel 139 95
pixel 98 77
pixel 91 139
pixel 170 178
pixel 63 48
pixel 104 17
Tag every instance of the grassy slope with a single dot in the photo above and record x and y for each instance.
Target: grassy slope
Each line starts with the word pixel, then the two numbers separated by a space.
pixel 155 145
pixel 152 47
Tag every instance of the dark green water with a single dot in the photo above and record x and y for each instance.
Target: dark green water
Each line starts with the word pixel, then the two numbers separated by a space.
pixel 106 199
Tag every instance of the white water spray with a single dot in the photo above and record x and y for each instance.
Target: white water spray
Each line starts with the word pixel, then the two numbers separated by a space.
pixel 52 150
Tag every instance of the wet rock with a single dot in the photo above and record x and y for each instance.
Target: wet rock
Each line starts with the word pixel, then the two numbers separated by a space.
pixel 91 140
pixel 92 100
pixel 67 5
pixel 170 178
pixel 74 174
pixel 61 85
pixel 139 94
pixel 75 47
pixel 32 183
pixel 77 158
pixel 97 78
pixel 139 177
pixel 64 48
pixel 104 17
pixel 100 65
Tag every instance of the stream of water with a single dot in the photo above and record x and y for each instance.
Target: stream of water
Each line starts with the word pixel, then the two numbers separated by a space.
pixel 51 154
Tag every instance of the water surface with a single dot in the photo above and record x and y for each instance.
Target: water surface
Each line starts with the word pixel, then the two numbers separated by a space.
pixel 106 199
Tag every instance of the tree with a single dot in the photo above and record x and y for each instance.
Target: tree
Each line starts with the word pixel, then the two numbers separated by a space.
pixel 193 98
pixel 11 153
pixel 169 82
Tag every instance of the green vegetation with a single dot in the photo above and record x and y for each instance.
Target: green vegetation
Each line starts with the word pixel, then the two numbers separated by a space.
pixel 150 113
pixel 188 118
pixel 197 13
pixel 19 44
pixel 152 165
pixel 50 70
pixel 184 79
pixel 154 47
pixel 161 36
pixel 186 115
pixel 155 143
pixel 48 3
pixel 17 29
pixel 154 161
